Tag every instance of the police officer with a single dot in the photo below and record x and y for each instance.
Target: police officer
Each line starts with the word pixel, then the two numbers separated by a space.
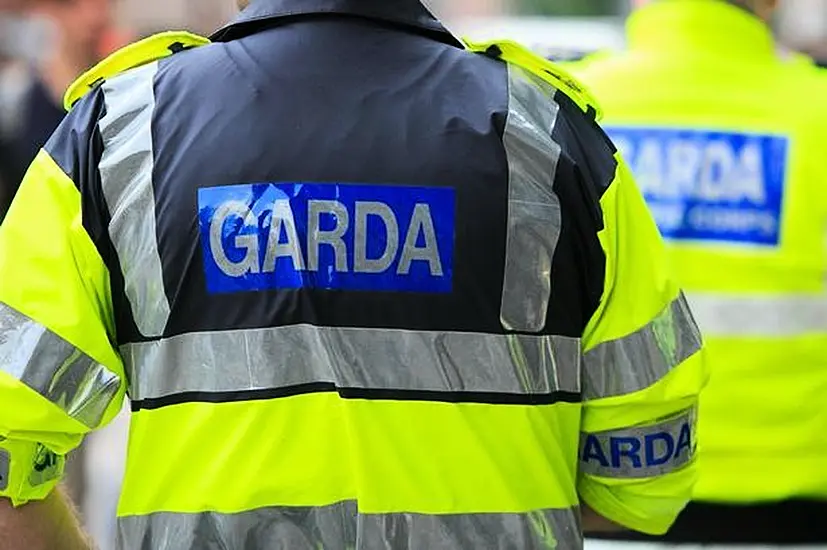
pixel 726 132
pixel 367 287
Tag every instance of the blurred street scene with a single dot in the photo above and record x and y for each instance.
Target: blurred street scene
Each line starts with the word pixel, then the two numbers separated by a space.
pixel 46 44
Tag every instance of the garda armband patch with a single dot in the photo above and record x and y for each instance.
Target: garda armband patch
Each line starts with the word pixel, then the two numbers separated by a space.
pixel 514 53
pixel 134 55
pixel 640 452
pixel 28 471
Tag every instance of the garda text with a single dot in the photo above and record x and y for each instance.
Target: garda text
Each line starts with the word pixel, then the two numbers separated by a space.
pixel 709 186
pixel 327 236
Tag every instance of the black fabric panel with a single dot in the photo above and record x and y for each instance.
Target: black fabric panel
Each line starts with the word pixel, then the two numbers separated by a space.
pixel 587 146
pixel 368 394
pixel 791 522
pixel 585 170
pixel 77 147
pixel 322 101
pixel 263 14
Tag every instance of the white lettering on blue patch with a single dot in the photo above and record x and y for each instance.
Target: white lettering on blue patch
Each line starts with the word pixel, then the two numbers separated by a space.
pixel 726 187
pixel 328 236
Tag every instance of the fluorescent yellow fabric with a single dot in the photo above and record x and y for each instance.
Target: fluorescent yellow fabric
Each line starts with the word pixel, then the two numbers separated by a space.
pixel 23 484
pixel 134 55
pixel 704 64
pixel 639 285
pixel 420 457
pixel 52 273
pixel 553 73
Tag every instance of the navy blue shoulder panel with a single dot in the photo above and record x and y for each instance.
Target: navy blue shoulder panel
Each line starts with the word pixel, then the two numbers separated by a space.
pixel 586 145
pixel 77 147
pixel 346 104
pixel 584 171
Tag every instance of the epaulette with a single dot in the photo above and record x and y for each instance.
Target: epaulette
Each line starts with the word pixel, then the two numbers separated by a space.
pixel 514 53
pixel 134 55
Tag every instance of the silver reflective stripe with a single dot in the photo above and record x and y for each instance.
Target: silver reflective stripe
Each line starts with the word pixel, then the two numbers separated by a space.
pixel 5 469
pixel 349 357
pixel 534 221
pixel 640 452
pixel 760 315
pixel 54 368
pixel 126 176
pixel 644 357
pixel 341 527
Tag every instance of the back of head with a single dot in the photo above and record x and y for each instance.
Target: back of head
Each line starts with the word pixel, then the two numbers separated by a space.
pixel 762 8
pixel 79 24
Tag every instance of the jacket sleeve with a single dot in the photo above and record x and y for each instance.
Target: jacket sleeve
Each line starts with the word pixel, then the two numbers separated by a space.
pixel 643 369
pixel 60 374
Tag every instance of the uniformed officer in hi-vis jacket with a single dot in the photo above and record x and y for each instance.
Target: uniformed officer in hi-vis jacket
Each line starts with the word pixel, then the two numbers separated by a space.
pixel 367 287
pixel 726 135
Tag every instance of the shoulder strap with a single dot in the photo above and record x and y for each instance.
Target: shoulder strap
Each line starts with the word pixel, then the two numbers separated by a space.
pixel 134 55
pixel 514 53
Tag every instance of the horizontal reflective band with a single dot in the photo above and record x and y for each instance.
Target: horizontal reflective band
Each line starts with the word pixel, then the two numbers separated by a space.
pixel 760 316
pixel 360 363
pixel 642 452
pixel 641 359
pixel 54 368
pixel 341 527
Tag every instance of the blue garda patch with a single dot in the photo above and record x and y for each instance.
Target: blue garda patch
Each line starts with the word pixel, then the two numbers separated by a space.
pixel 726 187
pixel 644 450
pixel 327 236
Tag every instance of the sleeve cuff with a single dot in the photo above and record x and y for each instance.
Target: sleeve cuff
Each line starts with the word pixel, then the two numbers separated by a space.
pixel 604 502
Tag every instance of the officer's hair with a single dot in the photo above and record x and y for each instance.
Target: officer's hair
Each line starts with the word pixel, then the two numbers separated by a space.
pixel 748 5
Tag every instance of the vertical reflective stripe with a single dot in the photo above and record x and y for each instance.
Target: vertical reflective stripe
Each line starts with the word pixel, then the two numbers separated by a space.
pixel 759 315
pixel 638 361
pixel 341 527
pixel 534 222
pixel 54 368
pixel 126 174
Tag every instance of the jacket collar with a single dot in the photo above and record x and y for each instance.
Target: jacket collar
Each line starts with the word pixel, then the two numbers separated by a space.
pixel 700 25
pixel 406 13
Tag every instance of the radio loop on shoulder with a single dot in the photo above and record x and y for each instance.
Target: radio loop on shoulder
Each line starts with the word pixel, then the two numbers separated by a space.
pixel 134 55
pixel 514 53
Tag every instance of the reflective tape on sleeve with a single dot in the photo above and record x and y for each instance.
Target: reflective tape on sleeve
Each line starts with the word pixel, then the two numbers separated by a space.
pixel 57 370
pixel 640 452
pixel 638 361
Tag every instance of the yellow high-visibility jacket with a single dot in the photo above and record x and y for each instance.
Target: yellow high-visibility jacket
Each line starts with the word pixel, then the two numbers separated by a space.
pixel 726 137
pixel 365 289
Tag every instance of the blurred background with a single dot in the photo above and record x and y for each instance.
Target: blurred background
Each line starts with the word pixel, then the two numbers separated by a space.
pixel 45 44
